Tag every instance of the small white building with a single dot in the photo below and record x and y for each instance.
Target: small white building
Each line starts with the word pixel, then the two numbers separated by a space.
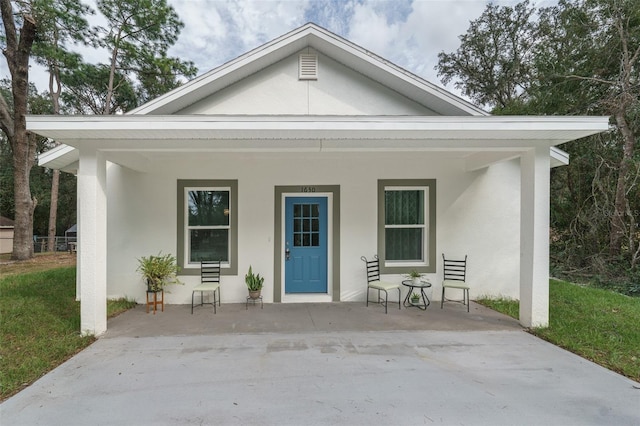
pixel 6 235
pixel 298 158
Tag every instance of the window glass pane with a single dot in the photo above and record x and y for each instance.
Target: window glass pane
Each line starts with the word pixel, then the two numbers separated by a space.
pixel 306 225
pixel 404 207
pixel 403 244
pixel 209 244
pixel 208 208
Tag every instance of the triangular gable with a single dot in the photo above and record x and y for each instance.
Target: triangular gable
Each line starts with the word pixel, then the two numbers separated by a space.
pixel 311 36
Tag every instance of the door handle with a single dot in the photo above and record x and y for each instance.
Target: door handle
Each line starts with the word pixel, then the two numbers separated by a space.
pixel 287 254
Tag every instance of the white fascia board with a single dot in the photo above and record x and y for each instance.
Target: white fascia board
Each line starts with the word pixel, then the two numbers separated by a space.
pixel 346 52
pixel 483 159
pixel 558 157
pixel 58 157
pixel 517 128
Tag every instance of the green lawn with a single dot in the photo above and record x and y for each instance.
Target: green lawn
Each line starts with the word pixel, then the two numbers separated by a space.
pixel 596 324
pixel 39 325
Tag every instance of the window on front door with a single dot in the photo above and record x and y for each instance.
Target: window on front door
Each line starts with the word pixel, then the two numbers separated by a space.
pixel 406 225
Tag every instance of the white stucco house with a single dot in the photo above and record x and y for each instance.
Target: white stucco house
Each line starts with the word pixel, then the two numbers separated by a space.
pixel 298 158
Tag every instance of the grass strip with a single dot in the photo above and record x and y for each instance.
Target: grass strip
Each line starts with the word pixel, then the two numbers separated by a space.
pixel 39 325
pixel 596 324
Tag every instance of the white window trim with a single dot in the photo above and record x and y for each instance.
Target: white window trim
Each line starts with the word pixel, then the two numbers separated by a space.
pixel 424 226
pixel 187 246
pixel 182 217
pixel 428 265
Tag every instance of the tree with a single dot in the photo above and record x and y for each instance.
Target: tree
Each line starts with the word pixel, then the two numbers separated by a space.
pixel 20 33
pixel 493 65
pixel 39 178
pixel 62 21
pixel 138 36
pixel 86 90
pixel 579 57
pixel 592 47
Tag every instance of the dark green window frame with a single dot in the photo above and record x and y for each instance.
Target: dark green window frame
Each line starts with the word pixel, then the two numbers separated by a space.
pixel 230 268
pixel 428 264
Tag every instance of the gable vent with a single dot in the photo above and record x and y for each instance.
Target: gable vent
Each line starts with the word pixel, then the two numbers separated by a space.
pixel 308 67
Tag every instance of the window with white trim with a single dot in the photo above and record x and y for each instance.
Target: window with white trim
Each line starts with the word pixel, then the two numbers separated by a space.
pixel 404 225
pixel 207 221
pixel 207 224
pixel 406 217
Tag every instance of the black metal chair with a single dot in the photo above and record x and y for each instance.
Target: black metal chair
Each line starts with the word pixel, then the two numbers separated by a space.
pixel 373 282
pixel 209 282
pixel 455 275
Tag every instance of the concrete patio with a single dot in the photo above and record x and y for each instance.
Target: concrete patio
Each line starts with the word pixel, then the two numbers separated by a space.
pixel 338 363
pixel 304 318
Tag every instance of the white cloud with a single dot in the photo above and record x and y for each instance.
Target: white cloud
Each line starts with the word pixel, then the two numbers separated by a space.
pixel 217 31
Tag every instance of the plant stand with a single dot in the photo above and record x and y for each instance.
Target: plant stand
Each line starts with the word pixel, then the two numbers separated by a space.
pixel 152 300
pixel 254 300
pixel 422 285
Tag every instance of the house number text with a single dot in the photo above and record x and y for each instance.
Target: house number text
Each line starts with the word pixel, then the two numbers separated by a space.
pixel 307 189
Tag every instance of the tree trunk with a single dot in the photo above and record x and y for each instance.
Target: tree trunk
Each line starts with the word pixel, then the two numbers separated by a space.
pixel 53 210
pixel 618 223
pixel 23 160
pixel 55 88
pixel 17 51
pixel 112 73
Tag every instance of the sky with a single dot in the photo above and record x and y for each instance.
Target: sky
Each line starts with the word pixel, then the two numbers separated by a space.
pixel 409 33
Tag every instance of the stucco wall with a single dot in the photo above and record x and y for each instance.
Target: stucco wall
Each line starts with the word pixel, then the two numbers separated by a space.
pixel 338 90
pixel 477 214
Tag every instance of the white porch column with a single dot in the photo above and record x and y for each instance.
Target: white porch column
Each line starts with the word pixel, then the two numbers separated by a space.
pixel 78 248
pixel 92 232
pixel 534 237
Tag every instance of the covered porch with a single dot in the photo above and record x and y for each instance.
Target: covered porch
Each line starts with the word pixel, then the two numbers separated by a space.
pixel 152 152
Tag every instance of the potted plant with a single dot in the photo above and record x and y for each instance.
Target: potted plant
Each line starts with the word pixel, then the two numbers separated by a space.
pixel 415 276
pixel 159 271
pixel 415 298
pixel 254 283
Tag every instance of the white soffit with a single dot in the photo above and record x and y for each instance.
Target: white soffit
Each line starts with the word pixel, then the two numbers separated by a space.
pixel 62 157
pixel 326 42
pixel 558 157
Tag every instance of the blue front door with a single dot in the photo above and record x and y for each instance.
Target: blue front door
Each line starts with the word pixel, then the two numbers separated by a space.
pixel 306 245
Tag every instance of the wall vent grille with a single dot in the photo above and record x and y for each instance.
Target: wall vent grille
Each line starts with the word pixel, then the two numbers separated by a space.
pixel 308 67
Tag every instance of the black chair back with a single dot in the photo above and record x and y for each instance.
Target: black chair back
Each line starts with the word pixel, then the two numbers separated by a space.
pixel 455 270
pixel 373 268
pixel 210 271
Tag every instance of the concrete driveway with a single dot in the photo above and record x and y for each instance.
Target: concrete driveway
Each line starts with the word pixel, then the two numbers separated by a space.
pixel 337 363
